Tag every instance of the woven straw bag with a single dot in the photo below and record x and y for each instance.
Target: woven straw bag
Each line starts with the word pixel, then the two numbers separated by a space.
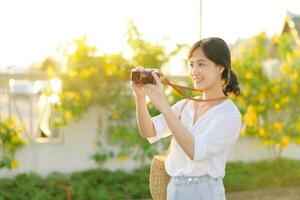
pixel 159 178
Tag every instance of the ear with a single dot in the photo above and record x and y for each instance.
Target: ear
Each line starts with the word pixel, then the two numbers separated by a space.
pixel 221 68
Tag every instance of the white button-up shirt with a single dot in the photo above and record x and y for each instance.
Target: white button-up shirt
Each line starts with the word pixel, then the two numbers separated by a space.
pixel 214 132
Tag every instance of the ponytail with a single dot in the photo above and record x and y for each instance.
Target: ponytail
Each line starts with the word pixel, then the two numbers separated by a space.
pixel 231 82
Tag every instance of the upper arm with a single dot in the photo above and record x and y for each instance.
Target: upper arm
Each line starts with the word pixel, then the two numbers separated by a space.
pixel 160 125
pixel 219 136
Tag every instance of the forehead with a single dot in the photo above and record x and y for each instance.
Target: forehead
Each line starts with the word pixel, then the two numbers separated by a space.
pixel 197 55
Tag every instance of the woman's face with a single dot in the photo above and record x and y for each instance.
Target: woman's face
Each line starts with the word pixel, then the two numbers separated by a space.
pixel 204 72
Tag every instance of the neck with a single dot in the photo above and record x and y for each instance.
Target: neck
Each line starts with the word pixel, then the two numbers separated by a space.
pixel 214 92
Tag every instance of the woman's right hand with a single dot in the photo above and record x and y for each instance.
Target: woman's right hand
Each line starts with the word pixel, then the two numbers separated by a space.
pixel 138 90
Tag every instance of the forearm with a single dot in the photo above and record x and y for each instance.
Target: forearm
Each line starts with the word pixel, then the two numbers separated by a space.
pixel 143 117
pixel 180 133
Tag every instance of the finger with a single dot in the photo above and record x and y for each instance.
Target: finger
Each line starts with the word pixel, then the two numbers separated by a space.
pixel 133 84
pixel 157 80
pixel 151 86
pixel 147 91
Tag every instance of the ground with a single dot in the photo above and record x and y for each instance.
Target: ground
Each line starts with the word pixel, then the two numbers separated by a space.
pixel 291 193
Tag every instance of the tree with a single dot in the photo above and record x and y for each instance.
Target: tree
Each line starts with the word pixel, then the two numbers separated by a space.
pixel 103 81
pixel 269 105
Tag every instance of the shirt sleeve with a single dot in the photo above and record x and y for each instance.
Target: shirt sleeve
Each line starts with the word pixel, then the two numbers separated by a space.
pixel 160 125
pixel 220 135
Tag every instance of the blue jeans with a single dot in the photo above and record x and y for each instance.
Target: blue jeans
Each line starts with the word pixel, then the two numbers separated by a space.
pixel 195 188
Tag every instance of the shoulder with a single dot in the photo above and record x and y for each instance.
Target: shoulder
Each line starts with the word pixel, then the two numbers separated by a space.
pixel 229 110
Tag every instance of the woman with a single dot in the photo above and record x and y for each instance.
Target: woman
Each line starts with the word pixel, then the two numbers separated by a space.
pixel 207 130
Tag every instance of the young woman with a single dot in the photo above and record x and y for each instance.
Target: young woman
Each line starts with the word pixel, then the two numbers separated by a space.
pixel 206 131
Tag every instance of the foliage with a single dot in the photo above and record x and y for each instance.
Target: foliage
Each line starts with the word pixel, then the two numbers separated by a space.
pixel 262 174
pixel 269 105
pixel 103 81
pixel 10 141
pixel 101 184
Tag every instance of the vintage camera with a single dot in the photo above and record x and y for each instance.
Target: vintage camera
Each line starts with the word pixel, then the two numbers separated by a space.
pixel 143 76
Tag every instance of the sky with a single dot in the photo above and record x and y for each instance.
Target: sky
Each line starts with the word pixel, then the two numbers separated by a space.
pixel 33 29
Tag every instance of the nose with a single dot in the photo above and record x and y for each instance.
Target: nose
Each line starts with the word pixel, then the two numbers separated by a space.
pixel 195 71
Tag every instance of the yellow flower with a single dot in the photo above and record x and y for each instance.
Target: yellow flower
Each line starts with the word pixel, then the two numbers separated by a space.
pixel 285 68
pixel 294 75
pixel 15 139
pixel 285 100
pixel 71 96
pixel 256 50
pixel 68 115
pixel 241 101
pixel 297 140
pixel 294 88
pixel 73 73
pixel 20 128
pixel 11 123
pixel 2 129
pixel 243 131
pixel 261 107
pixel 85 73
pixel 263 89
pixel 296 53
pixel 277 106
pixel 249 75
pixel 275 39
pixel 251 116
pixel 261 96
pixel 260 36
pixel 289 57
pixel 275 89
pixel 87 94
pixel 262 132
pixel 285 140
pixel 231 95
pixel 246 91
pixel 14 164
pixel 278 125
pixel 121 157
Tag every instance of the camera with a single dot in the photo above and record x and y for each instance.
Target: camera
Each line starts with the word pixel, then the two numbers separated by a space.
pixel 143 76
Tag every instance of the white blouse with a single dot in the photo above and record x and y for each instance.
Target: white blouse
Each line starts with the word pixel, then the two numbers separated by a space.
pixel 214 132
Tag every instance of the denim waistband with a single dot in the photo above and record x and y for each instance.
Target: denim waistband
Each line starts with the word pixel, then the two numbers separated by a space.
pixel 194 178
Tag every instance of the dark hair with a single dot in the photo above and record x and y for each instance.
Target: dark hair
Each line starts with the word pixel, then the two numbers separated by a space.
pixel 218 51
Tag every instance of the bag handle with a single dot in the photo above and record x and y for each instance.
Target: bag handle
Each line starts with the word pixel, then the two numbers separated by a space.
pixel 181 109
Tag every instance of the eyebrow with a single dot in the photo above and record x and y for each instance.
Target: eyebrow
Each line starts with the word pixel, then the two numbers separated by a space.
pixel 199 60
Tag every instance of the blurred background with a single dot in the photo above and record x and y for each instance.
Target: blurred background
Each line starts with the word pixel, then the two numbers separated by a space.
pixel 67 113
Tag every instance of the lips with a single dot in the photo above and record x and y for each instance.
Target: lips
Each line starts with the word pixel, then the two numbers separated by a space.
pixel 196 79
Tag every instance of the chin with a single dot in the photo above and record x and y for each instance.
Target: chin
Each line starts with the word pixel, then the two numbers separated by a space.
pixel 200 86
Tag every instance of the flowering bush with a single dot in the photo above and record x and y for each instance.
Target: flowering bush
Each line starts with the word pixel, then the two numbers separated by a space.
pixel 10 141
pixel 90 80
pixel 270 105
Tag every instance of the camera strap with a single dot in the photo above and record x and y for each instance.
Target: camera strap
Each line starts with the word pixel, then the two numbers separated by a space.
pixel 176 87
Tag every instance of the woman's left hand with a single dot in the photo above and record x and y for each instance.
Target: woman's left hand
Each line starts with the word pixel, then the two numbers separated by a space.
pixel 156 94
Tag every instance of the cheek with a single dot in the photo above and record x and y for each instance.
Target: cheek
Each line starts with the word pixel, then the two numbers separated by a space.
pixel 211 79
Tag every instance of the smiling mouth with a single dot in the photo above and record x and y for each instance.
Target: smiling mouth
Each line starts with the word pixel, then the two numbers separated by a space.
pixel 198 79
